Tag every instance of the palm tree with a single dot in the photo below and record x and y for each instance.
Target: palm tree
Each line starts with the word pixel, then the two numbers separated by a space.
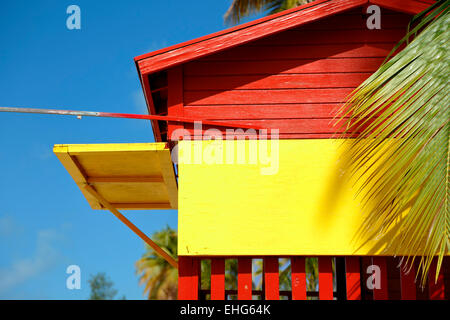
pixel 159 278
pixel 401 153
pixel 243 8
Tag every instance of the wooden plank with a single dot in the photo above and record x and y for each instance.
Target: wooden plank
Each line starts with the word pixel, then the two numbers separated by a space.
pixel 274 66
pixel 298 126
pixel 188 278
pixel 143 206
pixel 265 111
pixel 170 181
pixel 393 277
pixel 109 148
pixel 436 288
pixel 128 176
pixel 284 136
pixel 243 34
pixel 335 95
pixel 353 283
pixel 406 6
pixel 298 278
pixel 76 172
pixel 355 20
pixel 407 283
pixel 258 53
pixel 314 37
pixel 271 278
pixel 175 98
pixel 217 279
pixel 244 279
pixel 100 180
pixel 150 106
pixel 382 292
pixel 325 278
pixel 277 81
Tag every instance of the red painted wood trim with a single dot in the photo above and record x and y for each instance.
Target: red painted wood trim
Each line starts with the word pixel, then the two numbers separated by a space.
pixel 321 37
pixel 293 126
pixel 335 51
pixel 382 293
pixel 261 111
pixel 219 33
pixel 290 136
pixel 271 278
pixel 151 107
pixel 237 36
pixel 326 95
pixel 407 284
pixel 298 278
pixel 276 81
pixel 175 98
pixel 244 279
pixel 353 21
pixel 217 279
pixel 188 278
pixel 406 6
pixel 436 289
pixel 352 274
pixel 325 278
pixel 280 66
pixel 186 51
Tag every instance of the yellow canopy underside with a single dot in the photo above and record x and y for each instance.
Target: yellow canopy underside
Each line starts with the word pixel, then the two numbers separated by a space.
pixel 127 175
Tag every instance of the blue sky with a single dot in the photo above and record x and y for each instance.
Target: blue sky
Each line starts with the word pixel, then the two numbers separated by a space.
pixel 45 222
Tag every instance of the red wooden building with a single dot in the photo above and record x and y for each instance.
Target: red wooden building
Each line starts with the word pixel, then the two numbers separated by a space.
pixel 290 71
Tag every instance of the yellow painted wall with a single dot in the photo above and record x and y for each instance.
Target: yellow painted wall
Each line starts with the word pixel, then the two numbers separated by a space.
pixel 305 208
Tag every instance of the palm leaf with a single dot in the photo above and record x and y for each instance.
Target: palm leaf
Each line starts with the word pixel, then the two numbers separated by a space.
pixel 156 274
pixel 243 8
pixel 401 153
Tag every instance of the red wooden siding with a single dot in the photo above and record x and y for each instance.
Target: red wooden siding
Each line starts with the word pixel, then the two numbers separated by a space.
pixel 325 279
pixel 294 81
pixel 298 278
pixel 217 279
pixel 395 283
pixel 353 283
pixel 264 27
pixel 175 97
pixel 436 286
pixel 408 285
pixel 271 278
pixel 245 279
pixel 382 292
pixel 188 278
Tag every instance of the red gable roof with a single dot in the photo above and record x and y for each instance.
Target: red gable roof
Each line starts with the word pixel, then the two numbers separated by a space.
pixel 260 28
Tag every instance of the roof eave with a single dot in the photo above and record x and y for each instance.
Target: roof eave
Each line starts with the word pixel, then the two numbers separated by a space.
pixel 260 28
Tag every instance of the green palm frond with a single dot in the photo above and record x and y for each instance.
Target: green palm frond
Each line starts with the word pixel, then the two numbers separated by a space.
pixel 156 274
pixel 401 152
pixel 243 8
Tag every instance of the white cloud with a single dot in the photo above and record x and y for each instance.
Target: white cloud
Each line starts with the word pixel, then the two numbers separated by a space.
pixel 24 269
pixel 139 101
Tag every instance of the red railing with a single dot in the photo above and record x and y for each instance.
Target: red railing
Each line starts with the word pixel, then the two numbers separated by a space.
pixel 346 281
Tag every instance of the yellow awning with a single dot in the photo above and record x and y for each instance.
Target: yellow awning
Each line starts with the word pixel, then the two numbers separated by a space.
pixel 127 175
